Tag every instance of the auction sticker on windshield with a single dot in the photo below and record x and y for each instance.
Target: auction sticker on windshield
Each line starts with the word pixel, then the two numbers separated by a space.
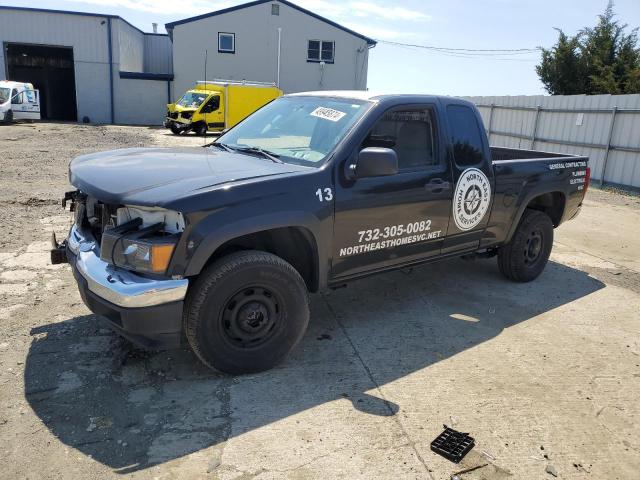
pixel 328 114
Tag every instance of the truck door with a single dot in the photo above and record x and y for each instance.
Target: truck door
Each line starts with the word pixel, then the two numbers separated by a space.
pixel 18 104
pixel 472 175
pixel 213 113
pixel 25 104
pixel 391 220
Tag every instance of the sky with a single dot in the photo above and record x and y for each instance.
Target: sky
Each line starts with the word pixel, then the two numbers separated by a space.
pixel 465 24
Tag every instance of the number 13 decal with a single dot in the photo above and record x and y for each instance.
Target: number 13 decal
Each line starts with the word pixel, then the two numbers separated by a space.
pixel 324 194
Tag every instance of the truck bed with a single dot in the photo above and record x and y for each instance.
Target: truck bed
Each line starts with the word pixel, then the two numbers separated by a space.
pixel 499 154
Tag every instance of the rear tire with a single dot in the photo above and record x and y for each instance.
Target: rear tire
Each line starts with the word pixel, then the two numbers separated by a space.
pixel 523 259
pixel 246 312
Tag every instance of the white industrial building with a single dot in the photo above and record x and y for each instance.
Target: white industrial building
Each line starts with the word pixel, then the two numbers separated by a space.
pixel 101 69
pixel 87 66
pixel 270 41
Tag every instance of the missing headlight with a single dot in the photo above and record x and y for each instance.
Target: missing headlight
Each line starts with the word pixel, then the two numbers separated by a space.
pixel 172 221
pixel 143 240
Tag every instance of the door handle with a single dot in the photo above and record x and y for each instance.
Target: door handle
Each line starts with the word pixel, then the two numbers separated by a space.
pixel 437 185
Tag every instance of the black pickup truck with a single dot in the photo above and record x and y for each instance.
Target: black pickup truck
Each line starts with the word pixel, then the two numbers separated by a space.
pixel 314 190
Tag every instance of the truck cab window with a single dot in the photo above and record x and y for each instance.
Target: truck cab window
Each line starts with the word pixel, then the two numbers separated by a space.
pixel 5 94
pixel 16 98
pixel 466 137
pixel 212 105
pixel 30 96
pixel 410 133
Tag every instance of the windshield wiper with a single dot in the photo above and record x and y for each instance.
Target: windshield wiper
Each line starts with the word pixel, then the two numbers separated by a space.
pixel 223 146
pixel 265 153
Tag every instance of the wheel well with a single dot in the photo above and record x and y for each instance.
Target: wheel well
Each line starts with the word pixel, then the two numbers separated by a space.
pixel 551 203
pixel 296 245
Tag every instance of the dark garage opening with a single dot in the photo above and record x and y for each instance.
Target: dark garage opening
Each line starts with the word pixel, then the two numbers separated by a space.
pixel 50 70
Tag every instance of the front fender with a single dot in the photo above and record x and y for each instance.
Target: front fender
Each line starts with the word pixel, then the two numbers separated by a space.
pixel 212 232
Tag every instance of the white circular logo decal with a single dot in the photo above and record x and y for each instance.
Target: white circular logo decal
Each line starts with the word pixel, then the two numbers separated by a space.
pixel 471 198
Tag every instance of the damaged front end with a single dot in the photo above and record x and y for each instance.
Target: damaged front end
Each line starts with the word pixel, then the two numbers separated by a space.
pixel 136 238
pixel 119 255
pixel 59 250
pixel 179 121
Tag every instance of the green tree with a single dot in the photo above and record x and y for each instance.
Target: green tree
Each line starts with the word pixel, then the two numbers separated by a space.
pixel 601 59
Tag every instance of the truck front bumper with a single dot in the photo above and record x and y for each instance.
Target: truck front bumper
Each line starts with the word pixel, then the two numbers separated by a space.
pixel 147 311
pixel 181 123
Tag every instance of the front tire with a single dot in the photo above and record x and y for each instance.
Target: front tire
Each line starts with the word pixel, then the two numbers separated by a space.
pixel 246 312
pixel 523 259
pixel 200 129
pixel 8 117
pixel 175 130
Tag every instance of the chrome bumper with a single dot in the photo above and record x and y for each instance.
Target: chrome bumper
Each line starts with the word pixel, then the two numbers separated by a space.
pixel 116 285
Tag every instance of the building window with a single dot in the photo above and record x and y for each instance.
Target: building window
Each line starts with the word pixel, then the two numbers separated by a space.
pixel 275 9
pixel 320 51
pixel 226 42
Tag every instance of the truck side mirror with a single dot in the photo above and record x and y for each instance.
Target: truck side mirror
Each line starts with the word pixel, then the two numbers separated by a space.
pixel 376 162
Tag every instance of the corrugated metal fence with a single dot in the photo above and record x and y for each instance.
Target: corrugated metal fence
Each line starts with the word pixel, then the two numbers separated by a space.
pixel 604 127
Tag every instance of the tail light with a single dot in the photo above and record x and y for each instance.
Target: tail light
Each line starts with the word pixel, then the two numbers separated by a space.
pixel 587 179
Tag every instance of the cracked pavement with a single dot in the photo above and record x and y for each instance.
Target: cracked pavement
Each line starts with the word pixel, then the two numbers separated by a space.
pixel 542 374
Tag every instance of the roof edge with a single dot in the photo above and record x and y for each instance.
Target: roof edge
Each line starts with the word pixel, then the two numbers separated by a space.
pixel 169 26
pixel 146 76
pixel 75 12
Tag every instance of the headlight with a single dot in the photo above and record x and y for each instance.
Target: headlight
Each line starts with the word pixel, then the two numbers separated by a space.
pixel 143 240
pixel 186 115
pixel 150 255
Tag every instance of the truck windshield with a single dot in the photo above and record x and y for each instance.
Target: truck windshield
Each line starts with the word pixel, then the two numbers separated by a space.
pixel 300 130
pixel 192 99
pixel 4 94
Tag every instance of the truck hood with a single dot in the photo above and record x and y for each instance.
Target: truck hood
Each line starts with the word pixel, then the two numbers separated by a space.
pixel 159 176
pixel 172 107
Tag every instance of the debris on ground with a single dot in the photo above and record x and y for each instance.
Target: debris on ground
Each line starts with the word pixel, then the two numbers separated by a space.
pixel 551 470
pixel 456 475
pixel 452 445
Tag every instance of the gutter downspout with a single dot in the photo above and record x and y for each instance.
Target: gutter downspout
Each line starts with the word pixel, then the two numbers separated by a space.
pixel 110 45
pixel 279 44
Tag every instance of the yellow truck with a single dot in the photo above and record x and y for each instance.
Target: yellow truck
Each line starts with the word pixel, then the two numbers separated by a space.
pixel 216 105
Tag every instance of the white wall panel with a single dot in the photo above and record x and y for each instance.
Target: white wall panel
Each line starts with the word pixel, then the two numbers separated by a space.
pixel 256 51
pixel 622 167
pixel 157 54
pixel 129 43
pixel 140 102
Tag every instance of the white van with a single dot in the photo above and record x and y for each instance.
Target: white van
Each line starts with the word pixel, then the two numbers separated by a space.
pixel 18 101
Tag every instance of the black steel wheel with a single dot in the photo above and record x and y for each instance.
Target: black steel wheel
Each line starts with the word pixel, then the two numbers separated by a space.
pixel 251 316
pixel 523 259
pixel 8 117
pixel 175 129
pixel 246 312
pixel 533 247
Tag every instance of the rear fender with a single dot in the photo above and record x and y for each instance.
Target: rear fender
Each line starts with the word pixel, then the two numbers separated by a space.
pixel 524 204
